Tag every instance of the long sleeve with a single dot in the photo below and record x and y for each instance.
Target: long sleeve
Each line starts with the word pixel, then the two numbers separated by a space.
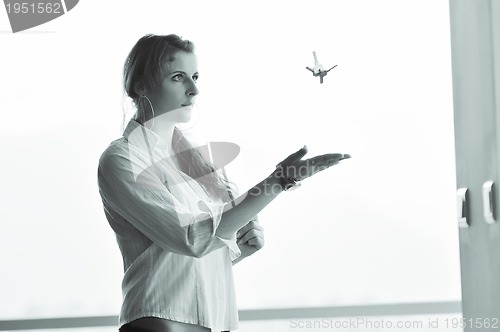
pixel 143 194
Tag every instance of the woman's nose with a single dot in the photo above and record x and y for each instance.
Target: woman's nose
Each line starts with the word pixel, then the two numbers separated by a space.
pixel 192 89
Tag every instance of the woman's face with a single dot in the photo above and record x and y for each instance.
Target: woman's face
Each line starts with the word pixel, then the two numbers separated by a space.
pixel 175 96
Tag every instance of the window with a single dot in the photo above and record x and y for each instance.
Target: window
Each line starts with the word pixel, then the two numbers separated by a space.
pixel 379 228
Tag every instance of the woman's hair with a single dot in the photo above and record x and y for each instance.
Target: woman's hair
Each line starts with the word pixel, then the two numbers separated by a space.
pixel 143 71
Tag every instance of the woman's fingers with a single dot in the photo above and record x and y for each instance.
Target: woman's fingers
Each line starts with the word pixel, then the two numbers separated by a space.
pixel 311 166
pixel 251 225
pixel 251 234
pixel 298 169
pixel 250 238
pixel 326 159
pixel 294 157
pixel 257 242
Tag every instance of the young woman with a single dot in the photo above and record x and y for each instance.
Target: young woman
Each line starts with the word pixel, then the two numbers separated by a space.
pixel 179 223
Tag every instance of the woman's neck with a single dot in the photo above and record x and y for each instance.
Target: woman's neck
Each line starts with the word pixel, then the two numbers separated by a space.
pixel 164 128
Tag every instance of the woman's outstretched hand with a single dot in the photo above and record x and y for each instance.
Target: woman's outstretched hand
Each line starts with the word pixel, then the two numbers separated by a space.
pixel 294 167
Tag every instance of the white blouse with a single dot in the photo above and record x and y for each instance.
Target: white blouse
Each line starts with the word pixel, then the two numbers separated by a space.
pixel 175 266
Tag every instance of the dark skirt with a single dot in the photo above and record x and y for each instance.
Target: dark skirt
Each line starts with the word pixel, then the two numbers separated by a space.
pixel 151 324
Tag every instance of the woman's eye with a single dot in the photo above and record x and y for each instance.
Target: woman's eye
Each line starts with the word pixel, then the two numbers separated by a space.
pixel 177 78
pixel 195 78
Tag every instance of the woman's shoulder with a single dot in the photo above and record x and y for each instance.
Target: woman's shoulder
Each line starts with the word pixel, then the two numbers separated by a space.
pixel 115 146
pixel 115 150
pixel 121 152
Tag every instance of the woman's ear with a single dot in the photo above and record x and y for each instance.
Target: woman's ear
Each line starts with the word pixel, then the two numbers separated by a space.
pixel 139 88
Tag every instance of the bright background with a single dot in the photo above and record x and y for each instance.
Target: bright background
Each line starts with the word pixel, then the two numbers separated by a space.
pixel 378 228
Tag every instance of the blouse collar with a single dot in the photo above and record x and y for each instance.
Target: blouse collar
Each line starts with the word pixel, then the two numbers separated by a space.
pixel 143 137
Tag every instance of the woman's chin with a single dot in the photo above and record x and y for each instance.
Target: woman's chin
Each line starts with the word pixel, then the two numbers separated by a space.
pixel 181 115
pixel 184 118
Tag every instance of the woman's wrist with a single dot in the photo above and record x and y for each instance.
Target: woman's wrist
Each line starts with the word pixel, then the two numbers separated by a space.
pixel 286 181
pixel 248 205
pixel 289 184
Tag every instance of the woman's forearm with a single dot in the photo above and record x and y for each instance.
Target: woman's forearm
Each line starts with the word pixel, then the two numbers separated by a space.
pixel 248 205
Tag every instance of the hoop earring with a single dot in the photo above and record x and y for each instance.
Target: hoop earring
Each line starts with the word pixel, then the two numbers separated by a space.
pixel 152 112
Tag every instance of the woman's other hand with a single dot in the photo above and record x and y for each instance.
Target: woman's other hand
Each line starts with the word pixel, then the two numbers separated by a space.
pixel 250 238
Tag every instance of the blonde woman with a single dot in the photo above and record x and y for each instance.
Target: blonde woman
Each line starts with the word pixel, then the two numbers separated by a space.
pixel 179 223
